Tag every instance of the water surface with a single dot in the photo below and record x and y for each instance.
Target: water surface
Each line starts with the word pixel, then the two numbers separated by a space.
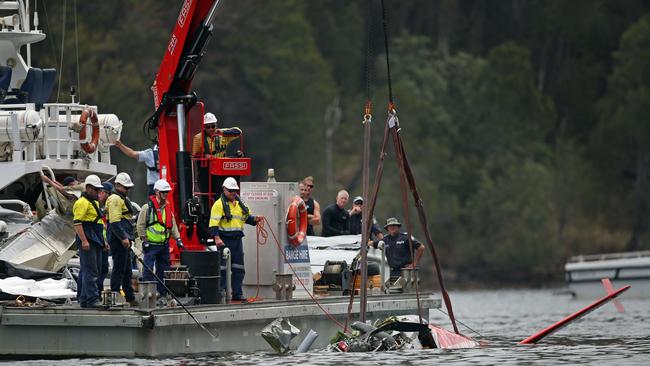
pixel 502 317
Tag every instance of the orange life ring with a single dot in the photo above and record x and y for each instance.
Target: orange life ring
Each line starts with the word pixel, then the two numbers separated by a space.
pixel 297 221
pixel 91 146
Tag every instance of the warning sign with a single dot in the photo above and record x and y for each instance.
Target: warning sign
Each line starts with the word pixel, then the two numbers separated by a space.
pixel 266 195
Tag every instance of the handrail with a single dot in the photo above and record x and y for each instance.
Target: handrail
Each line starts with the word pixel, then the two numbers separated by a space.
pixel 27 210
pixel 606 256
pixel 47 195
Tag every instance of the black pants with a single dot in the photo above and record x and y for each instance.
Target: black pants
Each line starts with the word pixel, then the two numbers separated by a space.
pixel 121 275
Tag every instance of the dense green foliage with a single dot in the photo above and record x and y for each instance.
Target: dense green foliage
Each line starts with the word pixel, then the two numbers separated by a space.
pixel 526 122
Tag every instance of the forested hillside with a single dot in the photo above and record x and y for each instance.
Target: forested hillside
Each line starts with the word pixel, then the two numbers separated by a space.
pixel 526 122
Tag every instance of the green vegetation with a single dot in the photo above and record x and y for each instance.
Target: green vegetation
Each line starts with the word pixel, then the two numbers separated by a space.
pixel 526 122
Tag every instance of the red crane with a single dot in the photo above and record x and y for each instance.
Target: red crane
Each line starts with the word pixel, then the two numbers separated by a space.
pixel 179 114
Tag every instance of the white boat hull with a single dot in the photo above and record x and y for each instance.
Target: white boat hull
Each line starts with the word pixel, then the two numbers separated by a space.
pixel 584 274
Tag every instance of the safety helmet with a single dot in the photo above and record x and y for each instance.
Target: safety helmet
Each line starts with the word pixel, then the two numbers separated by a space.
pixel 209 119
pixel 124 179
pixel 94 181
pixel 161 185
pixel 230 183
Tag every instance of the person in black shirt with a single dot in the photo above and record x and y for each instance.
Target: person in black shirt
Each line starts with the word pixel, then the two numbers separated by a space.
pixel 336 219
pixel 313 207
pixel 355 220
pixel 396 247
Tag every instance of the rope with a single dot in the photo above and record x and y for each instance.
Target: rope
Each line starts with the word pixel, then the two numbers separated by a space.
pixel 461 323
pixel 368 55
pixel 76 48
pixel 403 162
pixel 145 266
pixel 384 19
pixel 277 242
pixel 58 91
pixel 347 317
pixel 262 237
pixel 49 33
pixel 407 218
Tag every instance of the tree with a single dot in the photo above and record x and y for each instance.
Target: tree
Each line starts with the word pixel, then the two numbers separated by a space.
pixel 621 142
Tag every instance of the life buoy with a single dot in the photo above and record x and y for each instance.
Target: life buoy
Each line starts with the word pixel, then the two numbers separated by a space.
pixel 297 221
pixel 91 146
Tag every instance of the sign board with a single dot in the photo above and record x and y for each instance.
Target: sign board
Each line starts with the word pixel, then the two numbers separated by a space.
pixel 298 257
pixel 230 166
pixel 262 195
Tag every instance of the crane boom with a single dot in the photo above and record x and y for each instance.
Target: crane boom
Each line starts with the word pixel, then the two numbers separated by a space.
pixel 177 107
pixel 191 34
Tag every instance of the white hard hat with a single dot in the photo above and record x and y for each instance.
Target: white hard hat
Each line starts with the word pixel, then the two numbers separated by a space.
pixel 94 181
pixel 209 118
pixel 124 179
pixel 161 185
pixel 230 183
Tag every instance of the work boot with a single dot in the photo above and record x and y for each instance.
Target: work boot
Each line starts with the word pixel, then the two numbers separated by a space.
pixel 96 305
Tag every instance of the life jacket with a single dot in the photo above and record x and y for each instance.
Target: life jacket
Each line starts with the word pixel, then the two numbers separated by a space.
pixel 127 202
pixel 159 222
pixel 228 221
pixel 206 144
pixel 226 208
pixel 156 160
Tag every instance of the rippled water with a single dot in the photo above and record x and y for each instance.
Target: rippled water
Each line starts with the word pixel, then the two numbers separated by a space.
pixel 503 318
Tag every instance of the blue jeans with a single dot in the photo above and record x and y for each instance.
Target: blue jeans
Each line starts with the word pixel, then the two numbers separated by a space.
pixel 90 261
pixel 237 254
pixel 156 255
pixel 121 275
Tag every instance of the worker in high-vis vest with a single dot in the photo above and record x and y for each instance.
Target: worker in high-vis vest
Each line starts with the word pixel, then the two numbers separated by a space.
pixel 213 141
pixel 156 224
pixel 90 242
pixel 227 219
pixel 120 235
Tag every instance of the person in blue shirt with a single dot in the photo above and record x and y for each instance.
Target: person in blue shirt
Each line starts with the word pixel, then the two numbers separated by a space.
pixel 150 159
pixel 396 248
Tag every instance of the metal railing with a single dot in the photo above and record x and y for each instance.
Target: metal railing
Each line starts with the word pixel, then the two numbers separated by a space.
pixel 608 256
pixel 59 136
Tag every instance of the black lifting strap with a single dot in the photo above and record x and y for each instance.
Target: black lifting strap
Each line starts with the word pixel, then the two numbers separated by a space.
pixel 406 178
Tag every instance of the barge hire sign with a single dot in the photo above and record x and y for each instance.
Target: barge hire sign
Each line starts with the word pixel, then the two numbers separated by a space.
pixel 299 260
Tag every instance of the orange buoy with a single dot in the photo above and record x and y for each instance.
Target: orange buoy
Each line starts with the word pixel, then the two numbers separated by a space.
pixel 91 146
pixel 297 221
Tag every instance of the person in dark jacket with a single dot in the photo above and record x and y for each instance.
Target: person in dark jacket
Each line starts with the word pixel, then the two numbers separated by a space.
pixel 355 220
pixel 335 218
pixel 396 247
